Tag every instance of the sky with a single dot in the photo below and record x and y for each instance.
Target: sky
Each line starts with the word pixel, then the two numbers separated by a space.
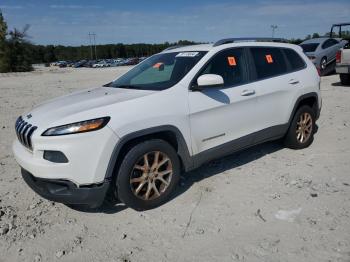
pixel 153 21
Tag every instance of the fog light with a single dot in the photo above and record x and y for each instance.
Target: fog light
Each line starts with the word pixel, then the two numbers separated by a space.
pixel 55 157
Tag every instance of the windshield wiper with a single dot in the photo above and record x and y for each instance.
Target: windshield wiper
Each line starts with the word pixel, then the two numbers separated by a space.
pixel 128 86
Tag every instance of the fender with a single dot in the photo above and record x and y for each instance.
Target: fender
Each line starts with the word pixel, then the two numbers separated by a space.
pixel 182 151
pixel 308 95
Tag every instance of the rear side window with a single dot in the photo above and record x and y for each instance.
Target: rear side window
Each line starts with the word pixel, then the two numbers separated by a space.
pixel 309 47
pixel 268 62
pixel 295 61
pixel 329 43
pixel 230 64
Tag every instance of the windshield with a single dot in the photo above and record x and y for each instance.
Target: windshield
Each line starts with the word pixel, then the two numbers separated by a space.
pixel 159 72
pixel 309 47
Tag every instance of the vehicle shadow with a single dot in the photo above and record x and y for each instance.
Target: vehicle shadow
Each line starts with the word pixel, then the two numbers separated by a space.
pixel 338 84
pixel 233 161
pixel 188 179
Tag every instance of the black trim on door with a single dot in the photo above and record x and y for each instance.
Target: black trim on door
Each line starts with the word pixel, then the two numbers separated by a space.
pixel 268 134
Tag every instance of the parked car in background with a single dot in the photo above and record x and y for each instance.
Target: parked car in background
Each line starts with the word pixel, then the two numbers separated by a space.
pixel 101 64
pixel 322 51
pixel 80 63
pixel 343 64
pixel 132 61
pixel 343 55
pixel 90 63
pixel 62 64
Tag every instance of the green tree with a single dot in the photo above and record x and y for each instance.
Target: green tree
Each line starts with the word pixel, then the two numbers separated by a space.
pixel 315 35
pixel 18 55
pixel 3 33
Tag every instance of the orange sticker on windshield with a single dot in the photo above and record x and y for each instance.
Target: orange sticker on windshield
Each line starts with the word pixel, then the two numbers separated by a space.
pixel 231 61
pixel 157 65
pixel 269 59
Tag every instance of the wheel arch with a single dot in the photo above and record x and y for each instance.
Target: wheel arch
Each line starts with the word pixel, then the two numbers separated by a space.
pixel 168 133
pixel 310 99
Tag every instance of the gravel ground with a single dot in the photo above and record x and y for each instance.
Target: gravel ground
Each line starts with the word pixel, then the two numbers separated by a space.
pixel 267 203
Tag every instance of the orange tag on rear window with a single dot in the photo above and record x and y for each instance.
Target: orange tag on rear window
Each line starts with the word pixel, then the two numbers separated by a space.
pixel 157 65
pixel 231 61
pixel 269 59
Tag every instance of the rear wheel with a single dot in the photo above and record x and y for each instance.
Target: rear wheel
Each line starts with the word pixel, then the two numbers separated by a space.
pixel 345 79
pixel 301 131
pixel 323 65
pixel 148 175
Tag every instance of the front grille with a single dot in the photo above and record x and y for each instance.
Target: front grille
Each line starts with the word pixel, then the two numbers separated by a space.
pixel 24 132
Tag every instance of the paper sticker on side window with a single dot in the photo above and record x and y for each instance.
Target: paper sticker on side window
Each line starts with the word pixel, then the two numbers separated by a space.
pixel 157 65
pixel 269 59
pixel 187 54
pixel 231 61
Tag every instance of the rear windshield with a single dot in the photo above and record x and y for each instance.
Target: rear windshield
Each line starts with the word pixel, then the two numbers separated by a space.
pixel 309 47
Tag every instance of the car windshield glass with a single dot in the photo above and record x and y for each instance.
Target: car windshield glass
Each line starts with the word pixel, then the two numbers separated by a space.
pixel 160 71
pixel 309 47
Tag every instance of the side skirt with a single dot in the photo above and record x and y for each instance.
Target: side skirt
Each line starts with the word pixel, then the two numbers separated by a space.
pixel 268 134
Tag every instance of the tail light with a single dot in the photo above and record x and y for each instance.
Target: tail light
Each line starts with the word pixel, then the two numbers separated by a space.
pixel 338 57
pixel 318 71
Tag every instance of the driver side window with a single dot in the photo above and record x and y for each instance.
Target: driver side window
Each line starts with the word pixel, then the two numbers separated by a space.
pixel 229 64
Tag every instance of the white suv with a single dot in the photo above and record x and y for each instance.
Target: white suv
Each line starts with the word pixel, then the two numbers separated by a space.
pixel 173 112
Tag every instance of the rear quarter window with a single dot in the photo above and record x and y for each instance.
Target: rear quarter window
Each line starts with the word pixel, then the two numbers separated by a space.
pixel 295 61
pixel 268 62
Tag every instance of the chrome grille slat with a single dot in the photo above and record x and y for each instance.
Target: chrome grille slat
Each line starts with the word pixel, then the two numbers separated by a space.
pixel 24 132
pixel 30 133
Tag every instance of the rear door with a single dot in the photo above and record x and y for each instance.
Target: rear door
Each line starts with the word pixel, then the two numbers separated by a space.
pixel 274 86
pixel 331 46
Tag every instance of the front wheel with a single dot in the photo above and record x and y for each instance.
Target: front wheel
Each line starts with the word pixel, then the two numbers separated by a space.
pixel 302 128
pixel 148 175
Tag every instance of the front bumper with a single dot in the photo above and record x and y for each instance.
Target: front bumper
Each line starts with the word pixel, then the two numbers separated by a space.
pixel 88 156
pixel 65 191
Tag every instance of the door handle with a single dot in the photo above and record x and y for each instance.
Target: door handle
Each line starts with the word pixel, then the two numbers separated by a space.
pixel 247 92
pixel 293 82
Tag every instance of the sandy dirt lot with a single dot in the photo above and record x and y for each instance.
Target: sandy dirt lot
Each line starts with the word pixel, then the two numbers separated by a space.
pixel 267 203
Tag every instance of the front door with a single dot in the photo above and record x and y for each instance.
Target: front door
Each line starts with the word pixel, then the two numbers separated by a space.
pixel 219 115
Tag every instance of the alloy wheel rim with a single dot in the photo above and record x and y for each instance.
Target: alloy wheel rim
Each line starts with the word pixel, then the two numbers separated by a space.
pixel 323 64
pixel 151 175
pixel 304 128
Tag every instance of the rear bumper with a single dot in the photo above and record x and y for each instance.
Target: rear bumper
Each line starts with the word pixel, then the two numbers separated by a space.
pixel 345 69
pixel 66 192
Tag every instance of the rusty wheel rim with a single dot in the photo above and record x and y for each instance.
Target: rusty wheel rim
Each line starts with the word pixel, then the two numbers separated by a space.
pixel 304 128
pixel 151 175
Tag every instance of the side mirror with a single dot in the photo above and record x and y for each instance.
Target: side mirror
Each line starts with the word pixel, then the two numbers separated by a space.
pixel 210 80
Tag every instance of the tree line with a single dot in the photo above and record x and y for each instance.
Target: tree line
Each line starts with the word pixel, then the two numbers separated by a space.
pixel 50 53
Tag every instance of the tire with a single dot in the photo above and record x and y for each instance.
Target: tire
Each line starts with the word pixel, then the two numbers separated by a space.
pixel 134 168
pixel 293 138
pixel 323 65
pixel 345 79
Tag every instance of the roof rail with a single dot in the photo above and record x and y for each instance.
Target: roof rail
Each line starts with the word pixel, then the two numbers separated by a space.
pixel 172 47
pixel 249 39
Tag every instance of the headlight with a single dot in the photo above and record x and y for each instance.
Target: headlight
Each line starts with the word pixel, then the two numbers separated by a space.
pixel 78 127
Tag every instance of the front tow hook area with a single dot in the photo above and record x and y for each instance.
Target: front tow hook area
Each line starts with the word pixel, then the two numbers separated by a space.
pixel 66 192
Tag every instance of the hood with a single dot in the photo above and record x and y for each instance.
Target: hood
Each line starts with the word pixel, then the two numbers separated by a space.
pixel 58 109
